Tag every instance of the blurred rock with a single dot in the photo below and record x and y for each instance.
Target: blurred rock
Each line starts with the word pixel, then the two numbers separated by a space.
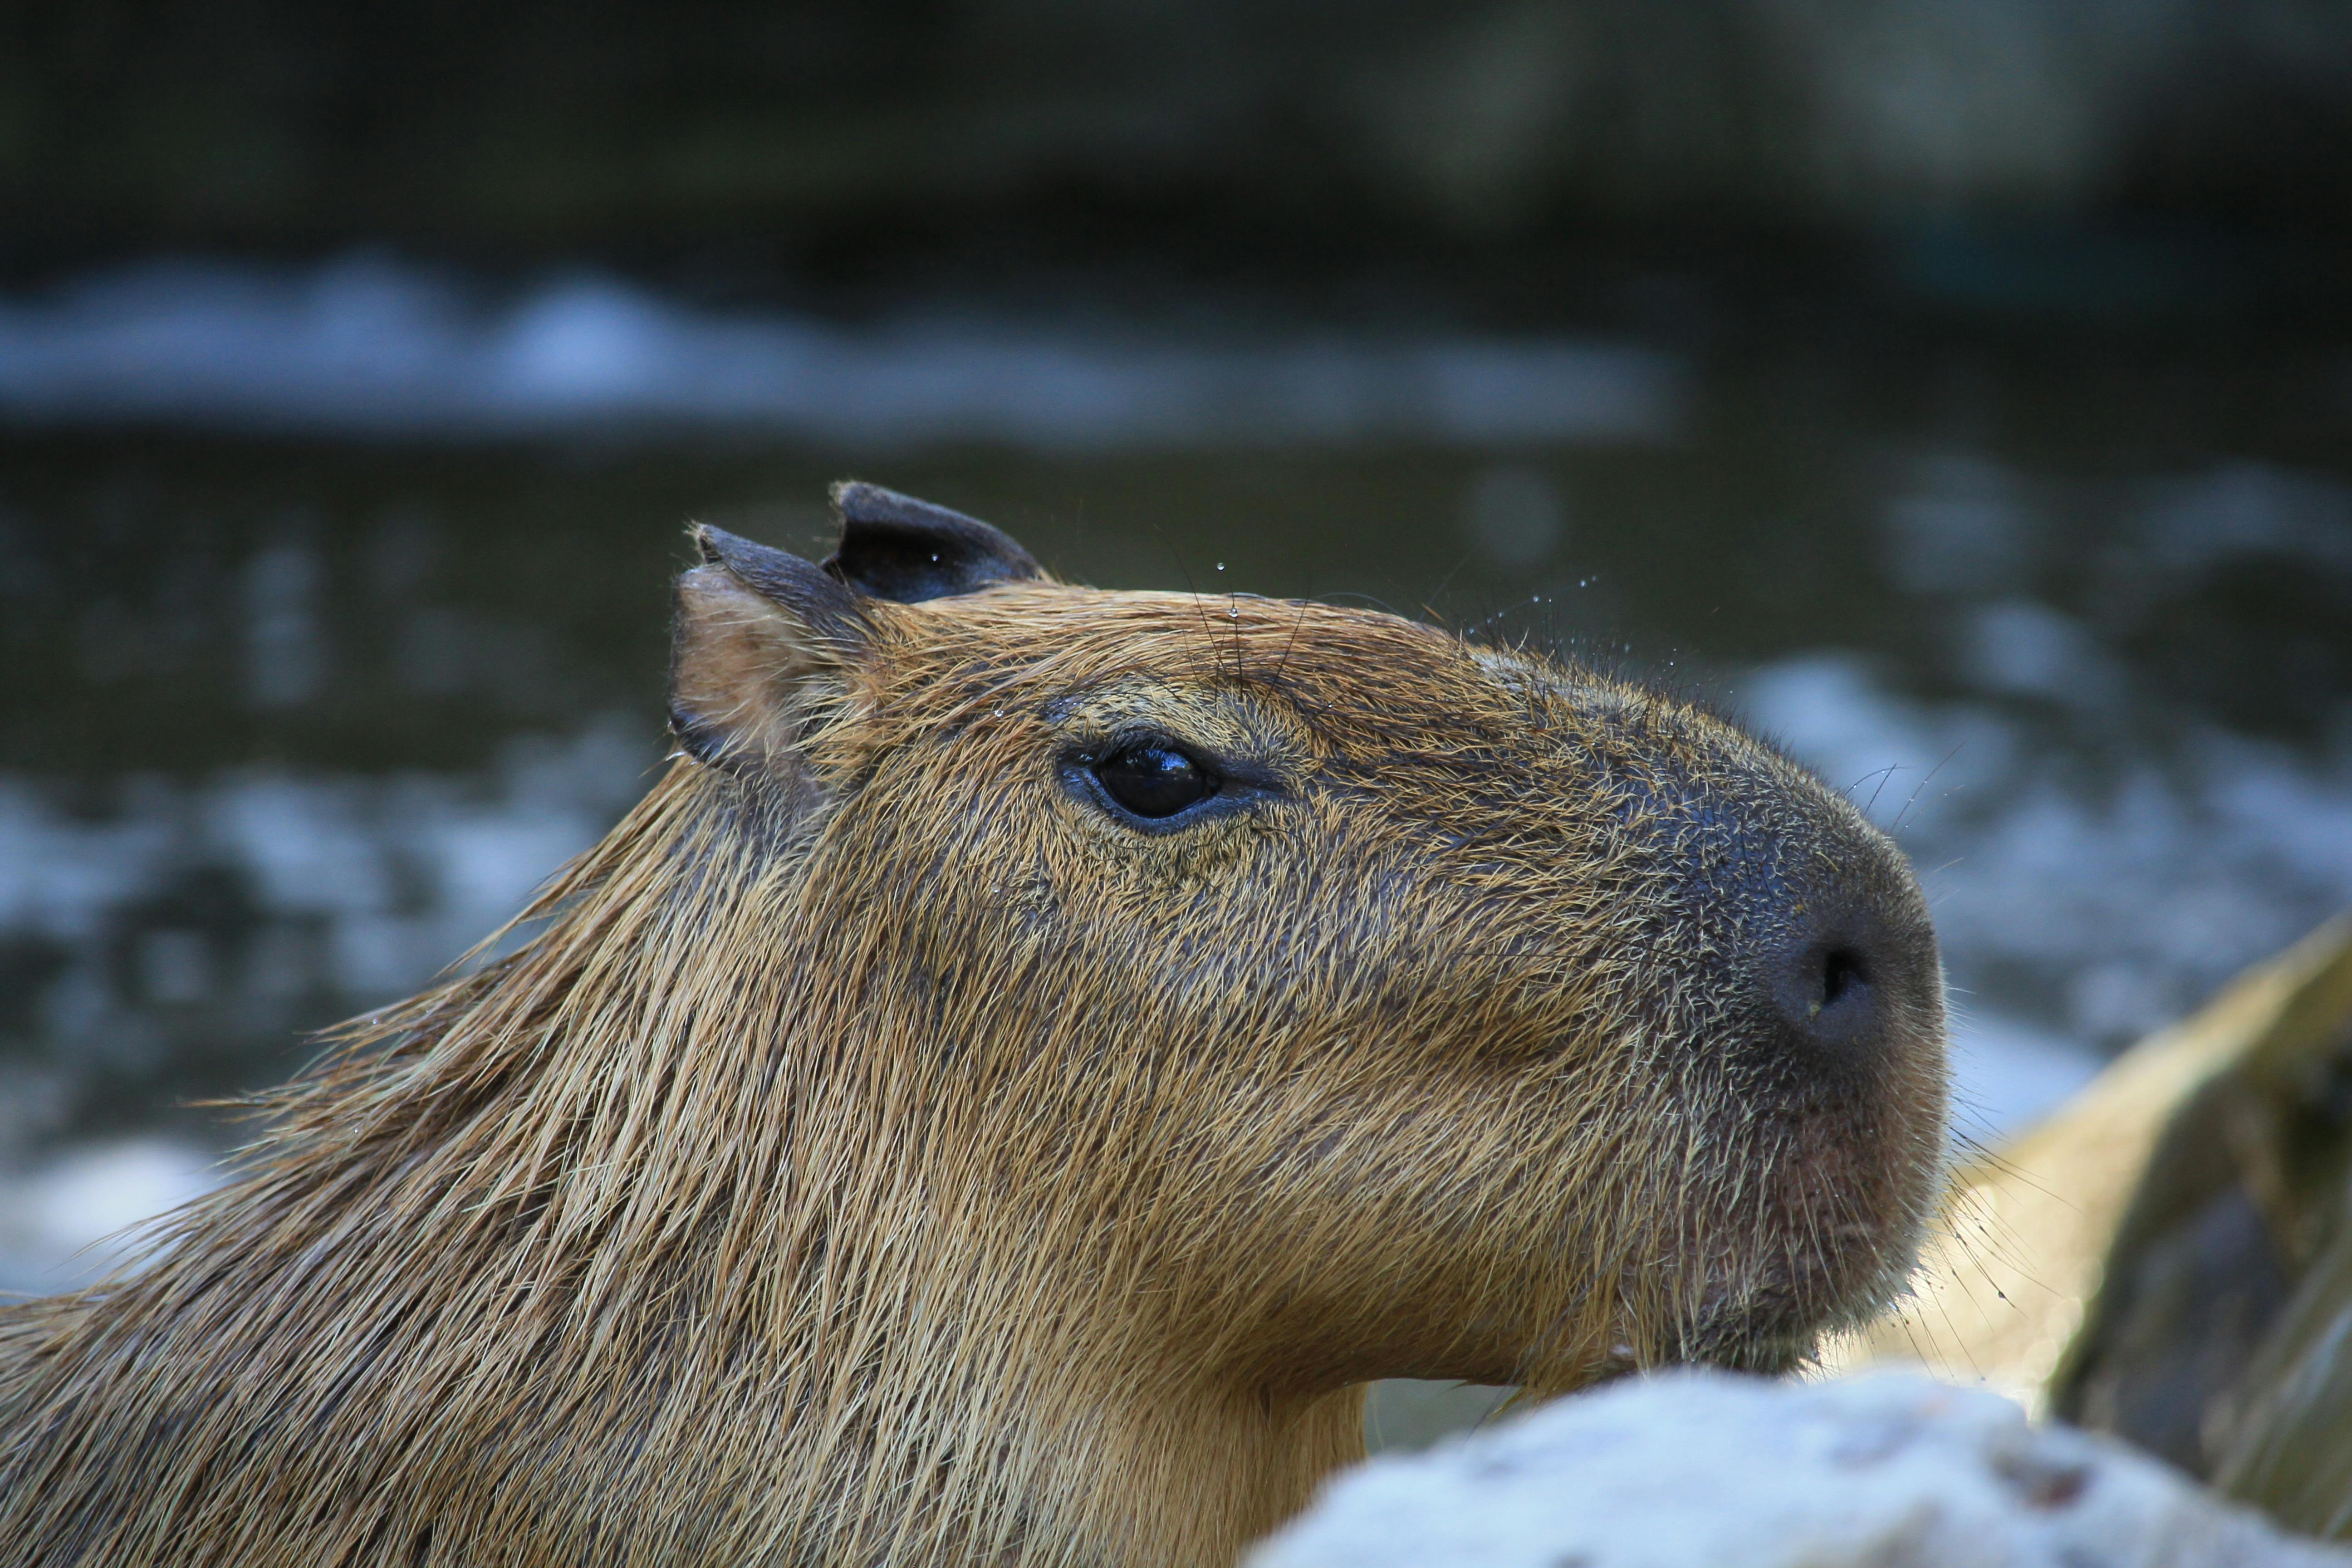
pixel 1702 1470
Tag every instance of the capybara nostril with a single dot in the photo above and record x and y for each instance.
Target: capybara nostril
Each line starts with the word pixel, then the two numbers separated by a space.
pixel 1825 992
pixel 1844 978
pixel 1841 968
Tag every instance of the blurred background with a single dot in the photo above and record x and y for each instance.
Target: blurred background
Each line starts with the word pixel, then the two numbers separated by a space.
pixel 1961 390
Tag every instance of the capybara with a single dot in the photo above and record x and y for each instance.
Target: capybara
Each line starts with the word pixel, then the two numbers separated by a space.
pixel 1034 1055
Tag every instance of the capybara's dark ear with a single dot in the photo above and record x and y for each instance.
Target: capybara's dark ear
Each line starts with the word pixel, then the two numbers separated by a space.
pixel 896 547
pixel 801 586
pixel 762 644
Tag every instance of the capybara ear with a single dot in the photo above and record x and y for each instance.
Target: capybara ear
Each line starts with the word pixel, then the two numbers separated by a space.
pixel 896 547
pixel 762 644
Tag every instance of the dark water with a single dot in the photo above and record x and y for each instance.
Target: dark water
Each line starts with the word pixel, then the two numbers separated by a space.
pixel 291 719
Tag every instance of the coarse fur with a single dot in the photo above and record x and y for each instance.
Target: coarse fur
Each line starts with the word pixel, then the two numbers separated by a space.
pixel 885 1151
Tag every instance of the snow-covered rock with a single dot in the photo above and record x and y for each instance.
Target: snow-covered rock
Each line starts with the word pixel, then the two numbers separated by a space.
pixel 1703 1469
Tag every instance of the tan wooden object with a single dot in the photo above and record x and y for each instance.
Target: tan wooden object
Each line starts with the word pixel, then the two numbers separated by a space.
pixel 2017 1265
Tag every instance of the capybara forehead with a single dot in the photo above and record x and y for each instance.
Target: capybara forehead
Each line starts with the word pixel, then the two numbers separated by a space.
pixel 1075 637
pixel 1357 678
pixel 1337 683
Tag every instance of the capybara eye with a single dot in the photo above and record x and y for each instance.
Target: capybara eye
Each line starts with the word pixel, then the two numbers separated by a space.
pixel 1153 780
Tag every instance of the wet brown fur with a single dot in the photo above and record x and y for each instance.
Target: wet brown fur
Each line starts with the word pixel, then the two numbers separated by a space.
pixel 881 1154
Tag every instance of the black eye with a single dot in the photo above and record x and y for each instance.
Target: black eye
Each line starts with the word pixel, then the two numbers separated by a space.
pixel 1153 780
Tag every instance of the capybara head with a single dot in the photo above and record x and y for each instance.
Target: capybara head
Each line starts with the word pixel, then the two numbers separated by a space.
pixel 1037 1054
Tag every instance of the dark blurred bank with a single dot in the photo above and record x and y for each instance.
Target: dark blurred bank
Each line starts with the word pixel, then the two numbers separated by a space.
pixel 905 143
pixel 1960 389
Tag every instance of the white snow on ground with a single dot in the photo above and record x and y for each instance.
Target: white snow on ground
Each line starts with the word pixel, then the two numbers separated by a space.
pixel 62 1225
pixel 372 347
pixel 369 884
pixel 403 872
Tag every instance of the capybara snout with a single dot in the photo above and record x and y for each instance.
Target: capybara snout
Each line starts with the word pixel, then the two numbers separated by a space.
pixel 1810 928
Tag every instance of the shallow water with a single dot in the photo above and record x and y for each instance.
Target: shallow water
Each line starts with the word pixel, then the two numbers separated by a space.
pixel 334 608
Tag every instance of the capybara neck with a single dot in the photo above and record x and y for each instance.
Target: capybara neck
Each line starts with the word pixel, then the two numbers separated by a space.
pixel 1032 1058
